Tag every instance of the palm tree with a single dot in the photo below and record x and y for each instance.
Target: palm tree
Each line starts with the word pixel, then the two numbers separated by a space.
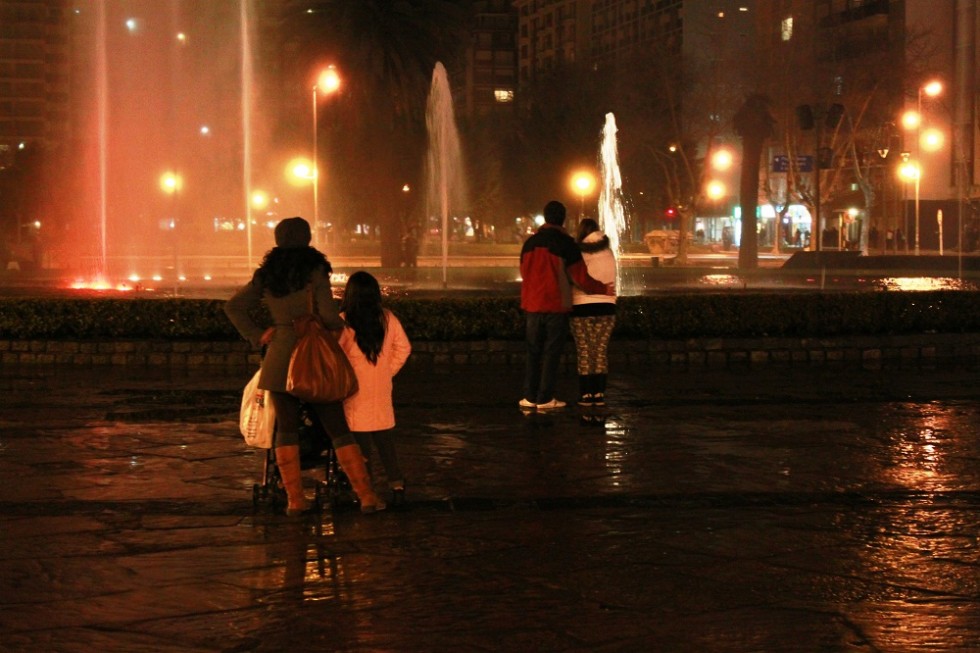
pixel 753 123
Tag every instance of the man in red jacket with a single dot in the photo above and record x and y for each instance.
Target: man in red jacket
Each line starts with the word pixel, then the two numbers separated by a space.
pixel 550 263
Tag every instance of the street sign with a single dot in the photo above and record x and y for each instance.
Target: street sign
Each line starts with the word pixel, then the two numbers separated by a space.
pixel 780 163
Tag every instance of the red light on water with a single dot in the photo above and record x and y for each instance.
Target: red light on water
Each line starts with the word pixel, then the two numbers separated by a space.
pixel 99 284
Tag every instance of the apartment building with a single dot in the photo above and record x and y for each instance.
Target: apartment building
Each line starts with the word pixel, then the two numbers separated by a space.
pixel 34 79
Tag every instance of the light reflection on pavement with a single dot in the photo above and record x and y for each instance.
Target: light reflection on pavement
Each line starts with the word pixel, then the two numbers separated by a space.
pixel 782 510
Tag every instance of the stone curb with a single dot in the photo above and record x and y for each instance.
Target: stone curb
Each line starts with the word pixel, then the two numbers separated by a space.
pixel 695 352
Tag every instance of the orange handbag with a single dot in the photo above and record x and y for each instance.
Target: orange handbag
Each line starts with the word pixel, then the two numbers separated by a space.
pixel 319 371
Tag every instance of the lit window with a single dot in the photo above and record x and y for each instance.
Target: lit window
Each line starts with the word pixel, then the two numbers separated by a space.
pixel 787 29
pixel 503 95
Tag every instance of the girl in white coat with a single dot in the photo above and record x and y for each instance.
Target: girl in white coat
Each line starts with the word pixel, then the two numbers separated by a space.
pixel 377 347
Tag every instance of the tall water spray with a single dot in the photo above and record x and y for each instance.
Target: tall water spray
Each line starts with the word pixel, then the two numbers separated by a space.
pixel 102 109
pixel 612 214
pixel 246 71
pixel 160 107
pixel 445 185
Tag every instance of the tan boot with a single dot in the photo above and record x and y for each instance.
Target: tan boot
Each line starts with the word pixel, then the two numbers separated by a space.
pixel 287 459
pixel 352 461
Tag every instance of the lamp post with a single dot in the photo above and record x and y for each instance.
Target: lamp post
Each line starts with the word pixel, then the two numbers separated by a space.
pixel 583 183
pixel 171 183
pixel 328 82
pixel 910 171
pixel 914 121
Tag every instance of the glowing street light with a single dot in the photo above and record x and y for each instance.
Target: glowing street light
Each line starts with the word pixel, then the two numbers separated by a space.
pixel 300 171
pixel 911 120
pixel 932 89
pixel 583 183
pixel 932 140
pixel 328 82
pixel 260 199
pixel 722 159
pixel 715 190
pixel 170 183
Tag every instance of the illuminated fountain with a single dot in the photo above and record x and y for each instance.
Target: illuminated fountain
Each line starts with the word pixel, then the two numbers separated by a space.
pixel 444 164
pixel 612 212
pixel 160 103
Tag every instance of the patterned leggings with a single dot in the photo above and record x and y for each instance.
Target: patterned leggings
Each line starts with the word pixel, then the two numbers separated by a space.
pixel 592 342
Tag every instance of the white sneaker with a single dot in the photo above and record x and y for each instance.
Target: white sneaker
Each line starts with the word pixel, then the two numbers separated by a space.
pixel 554 403
pixel 527 405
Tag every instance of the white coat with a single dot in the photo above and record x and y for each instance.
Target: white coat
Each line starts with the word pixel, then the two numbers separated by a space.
pixel 370 408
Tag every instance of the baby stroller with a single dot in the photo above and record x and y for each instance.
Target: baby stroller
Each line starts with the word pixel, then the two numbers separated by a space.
pixel 316 452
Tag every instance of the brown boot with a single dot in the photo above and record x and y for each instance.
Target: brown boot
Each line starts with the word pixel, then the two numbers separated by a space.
pixel 287 459
pixel 352 461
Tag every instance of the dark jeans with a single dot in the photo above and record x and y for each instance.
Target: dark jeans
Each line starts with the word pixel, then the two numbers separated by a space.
pixel 545 338
pixel 385 444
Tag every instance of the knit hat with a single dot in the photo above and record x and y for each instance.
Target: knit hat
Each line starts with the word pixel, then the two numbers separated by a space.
pixel 293 233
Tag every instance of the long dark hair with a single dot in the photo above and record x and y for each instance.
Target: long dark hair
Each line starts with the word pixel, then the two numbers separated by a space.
pixel 362 310
pixel 285 270
pixel 586 227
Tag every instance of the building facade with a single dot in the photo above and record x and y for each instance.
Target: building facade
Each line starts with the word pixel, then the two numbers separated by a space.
pixel 34 79
pixel 877 58
pixel 490 63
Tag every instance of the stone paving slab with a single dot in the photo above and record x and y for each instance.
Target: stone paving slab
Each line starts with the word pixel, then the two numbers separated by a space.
pixel 727 510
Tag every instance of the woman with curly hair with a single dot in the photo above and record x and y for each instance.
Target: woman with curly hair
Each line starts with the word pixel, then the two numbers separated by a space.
pixel 288 274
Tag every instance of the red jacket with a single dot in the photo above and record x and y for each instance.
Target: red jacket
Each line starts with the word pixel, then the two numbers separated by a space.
pixel 550 263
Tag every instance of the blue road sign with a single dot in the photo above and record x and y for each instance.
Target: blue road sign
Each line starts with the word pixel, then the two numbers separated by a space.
pixel 780 163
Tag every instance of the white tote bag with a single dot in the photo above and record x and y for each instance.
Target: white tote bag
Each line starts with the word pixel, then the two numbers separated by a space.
pixel 258 419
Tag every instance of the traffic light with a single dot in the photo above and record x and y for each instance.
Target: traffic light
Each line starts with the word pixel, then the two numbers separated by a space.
pixel 670 213
pixel 834 114
pixel 804 116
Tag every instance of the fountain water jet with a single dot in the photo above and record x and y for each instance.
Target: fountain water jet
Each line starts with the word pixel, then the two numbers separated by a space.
pixel 445 186
pixel 102 103
pixel 612 214
pixel 247 76
pixel 156 99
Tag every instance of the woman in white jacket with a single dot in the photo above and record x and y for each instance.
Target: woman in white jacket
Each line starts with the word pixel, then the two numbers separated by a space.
pixel 593 316
pixel 377 347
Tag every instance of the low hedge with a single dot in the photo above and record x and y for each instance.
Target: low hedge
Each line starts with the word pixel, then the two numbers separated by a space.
pixel 669 316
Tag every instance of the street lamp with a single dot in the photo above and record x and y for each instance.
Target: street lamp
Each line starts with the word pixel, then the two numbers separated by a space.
pixel 932 137
pixel 300 171
pixel 328 82
pixel 260 200
pixel 583 183
pixel 910 171
pixel 171 183
pixel 715 190
pixel 722 159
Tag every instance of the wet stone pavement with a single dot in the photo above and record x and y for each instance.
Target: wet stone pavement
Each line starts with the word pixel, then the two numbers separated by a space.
pixel 777 510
